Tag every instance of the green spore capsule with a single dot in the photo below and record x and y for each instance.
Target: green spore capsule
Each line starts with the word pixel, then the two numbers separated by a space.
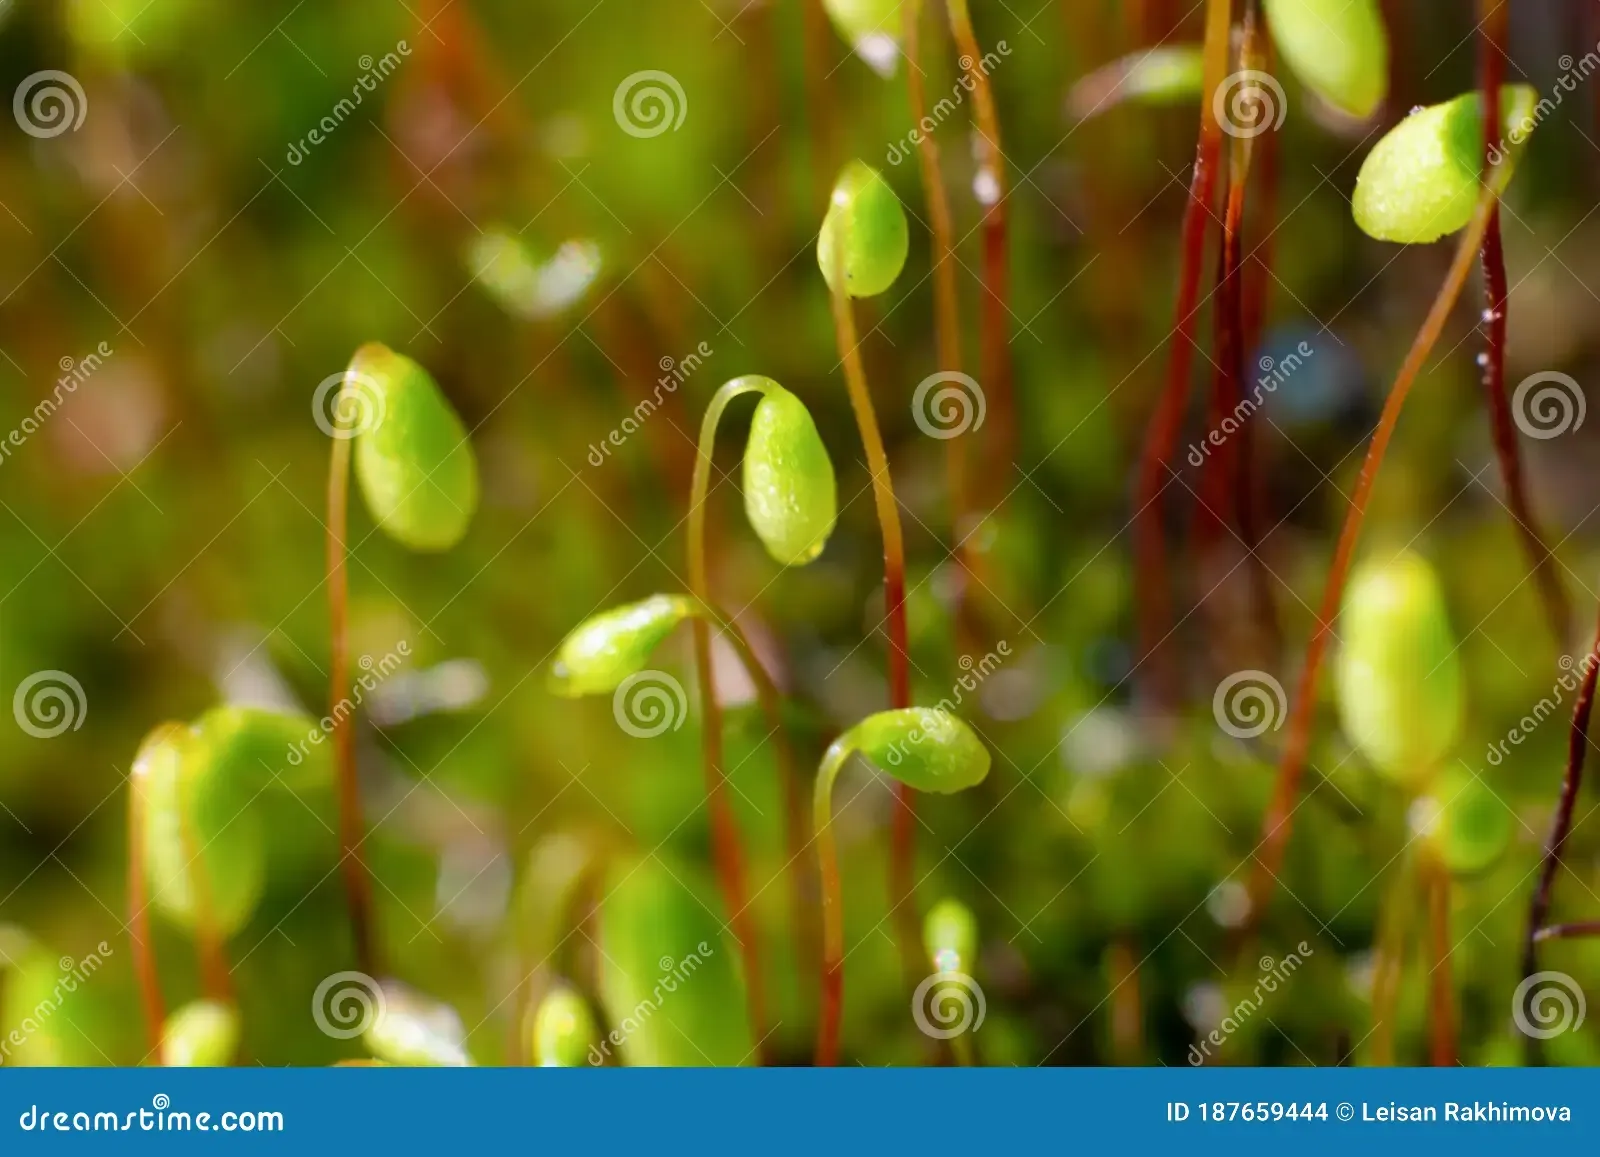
pixel 409 1029
pixel 564 1032
pixel 603 651
pixel 263 749
pixel 526 287
pixel 201 1034
pixel 1464 823
pixel 925 747
pixel 413 460
pixel 872 28
pixel 790 495
pixel 1399 676
pixel 1338 49
pixel 950 935
pixel 1421 181
pixel 864 212
pixel 668 981
pixel 203 840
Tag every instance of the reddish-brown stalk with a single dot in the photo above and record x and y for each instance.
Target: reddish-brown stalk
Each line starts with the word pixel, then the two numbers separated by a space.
pixel 1277 822
pixel 989 185
pixel 946 318
pixel 1148 530
pixel 1492 67
pixel 947 338
pixel 1436 880
pixel 902 845
pixel 144 949
pixel 725 847
pixel 352 830
pixel 1561 827
pixel 1572 931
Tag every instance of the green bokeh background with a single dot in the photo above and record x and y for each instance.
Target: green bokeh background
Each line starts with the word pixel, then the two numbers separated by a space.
pixel 161 537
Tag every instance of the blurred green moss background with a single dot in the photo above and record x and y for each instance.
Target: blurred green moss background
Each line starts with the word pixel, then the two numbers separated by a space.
pixel 162 533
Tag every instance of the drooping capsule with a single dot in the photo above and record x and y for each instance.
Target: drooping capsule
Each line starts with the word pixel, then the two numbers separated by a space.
pixel 564 1031
pixel 603 651
pixel 872 28
pixel 864 212
pixel 950 936
pixel 1399 678
pixel 926 747
pixel 1421 181
pixel 1338 48
pixel 413 459
pixel 201 1034
pixel 790 494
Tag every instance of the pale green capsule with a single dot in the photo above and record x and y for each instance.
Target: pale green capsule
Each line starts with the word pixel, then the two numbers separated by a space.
pixel 925 747
pixel 1421 181
pixel 790 495
pixel 1401 695
pixel 257 748
pixel 668 980
pixel 1465 823
pixel 864 211
pixel 525 287
pixel 202 836
pixel 413 460
pixel 872 28
pixel 950 936
pixel 201 1034
pixel 1338 48
pixel 564 1033
pixel 408 1028
pixel 603 651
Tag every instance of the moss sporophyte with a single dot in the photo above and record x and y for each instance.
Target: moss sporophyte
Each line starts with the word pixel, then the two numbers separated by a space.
pixel 416 469
pixel 924 749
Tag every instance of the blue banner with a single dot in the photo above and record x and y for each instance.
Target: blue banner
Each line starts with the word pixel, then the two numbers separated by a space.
pixel 707 1112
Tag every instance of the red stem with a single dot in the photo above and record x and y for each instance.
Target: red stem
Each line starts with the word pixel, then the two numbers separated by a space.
pixel 1277 823
pixel 1553 593
pixel 1149 531
pixel 1571 783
